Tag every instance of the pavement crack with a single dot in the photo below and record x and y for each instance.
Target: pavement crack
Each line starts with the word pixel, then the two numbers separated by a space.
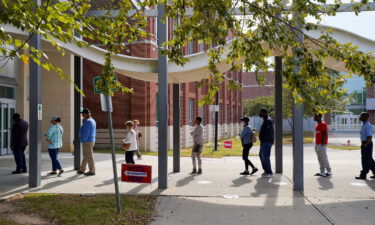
pixel 319 210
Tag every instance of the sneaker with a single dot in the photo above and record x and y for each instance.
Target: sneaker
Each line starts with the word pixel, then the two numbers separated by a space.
pixel 245 173
pixel 89 174
pixel 329 174
pixel 269 175
pixel 17 172
pixel 194 171
pixel 199 172
pixel 52 173
pixel 320 174
pixel 23 171
pixel 80 172
pixel 360 177
pixel 254 171
pixel 61 172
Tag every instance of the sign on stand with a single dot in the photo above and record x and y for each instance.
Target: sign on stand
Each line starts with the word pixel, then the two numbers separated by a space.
pixel 136 173
pixel 228 144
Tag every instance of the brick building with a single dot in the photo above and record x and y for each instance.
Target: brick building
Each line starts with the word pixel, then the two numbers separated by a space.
pixel 142 104
pixel 251 88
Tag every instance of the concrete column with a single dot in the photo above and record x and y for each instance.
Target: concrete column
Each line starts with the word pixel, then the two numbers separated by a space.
pixel 162 101
pixel 35 123
pixel 278 115
pixel 298 128
pixel 176 128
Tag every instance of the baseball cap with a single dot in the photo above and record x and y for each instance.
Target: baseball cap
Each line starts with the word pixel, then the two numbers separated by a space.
pixel 54 118
pixel 245 118
pixel 85 111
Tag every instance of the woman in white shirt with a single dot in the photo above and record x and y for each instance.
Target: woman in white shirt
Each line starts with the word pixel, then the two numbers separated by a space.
pixel 130 142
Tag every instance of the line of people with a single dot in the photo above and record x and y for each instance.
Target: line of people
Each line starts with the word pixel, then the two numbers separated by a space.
pixel 130 144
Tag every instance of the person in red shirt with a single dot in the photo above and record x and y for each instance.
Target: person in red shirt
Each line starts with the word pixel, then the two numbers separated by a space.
pixel 321 141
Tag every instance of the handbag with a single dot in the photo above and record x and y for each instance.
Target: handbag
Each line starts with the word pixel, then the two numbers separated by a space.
pixel 253 136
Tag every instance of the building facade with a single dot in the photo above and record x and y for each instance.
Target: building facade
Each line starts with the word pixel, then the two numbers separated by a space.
pixel 142 105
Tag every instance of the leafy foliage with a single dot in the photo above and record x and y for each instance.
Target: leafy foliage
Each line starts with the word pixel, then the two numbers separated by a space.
pixel 265 28
pixel 270 29
pixel 252 106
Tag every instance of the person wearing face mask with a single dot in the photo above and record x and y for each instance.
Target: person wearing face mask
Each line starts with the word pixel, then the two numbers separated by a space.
pixel 247 143
pixel 266 138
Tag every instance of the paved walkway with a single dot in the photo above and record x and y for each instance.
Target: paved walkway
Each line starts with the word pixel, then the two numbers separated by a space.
pixel 221 196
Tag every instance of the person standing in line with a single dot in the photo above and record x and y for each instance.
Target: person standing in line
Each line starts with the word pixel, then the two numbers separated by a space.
pixel 130 142
pixel 87 136
pixel 139 135
pixel 266 138
pixel 247 143
pixel 198 146
pixel 54 139
pixel 19 143
pixel 366 147
pixel 321 141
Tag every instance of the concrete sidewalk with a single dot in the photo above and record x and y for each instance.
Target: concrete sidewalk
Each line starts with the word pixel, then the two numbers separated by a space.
pixel 221 195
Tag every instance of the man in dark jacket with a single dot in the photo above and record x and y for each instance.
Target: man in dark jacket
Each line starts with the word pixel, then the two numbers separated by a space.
pixel 266 138
pixel 19 143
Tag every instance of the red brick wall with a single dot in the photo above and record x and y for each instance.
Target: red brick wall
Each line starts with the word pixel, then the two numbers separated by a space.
pixel 249 78
pixel 142 104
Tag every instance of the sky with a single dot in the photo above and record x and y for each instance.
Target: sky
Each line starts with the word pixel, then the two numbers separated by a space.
pixel 363 24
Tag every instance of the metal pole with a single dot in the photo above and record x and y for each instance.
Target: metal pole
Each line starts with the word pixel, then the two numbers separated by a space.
pixel 176 128
pixel 162 101
pixel 216 122
pixel 35 123
pixel 298 135
pixel 278 115
pixel 78 74
pixel 113 151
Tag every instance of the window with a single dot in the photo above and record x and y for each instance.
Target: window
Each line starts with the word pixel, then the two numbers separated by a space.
pixel 191 48
pixel 202 114
pixel 191 111
pixel 7 92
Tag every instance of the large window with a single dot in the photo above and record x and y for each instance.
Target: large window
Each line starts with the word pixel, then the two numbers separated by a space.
pixel 203 114
pixel 7 92
pixel 191 111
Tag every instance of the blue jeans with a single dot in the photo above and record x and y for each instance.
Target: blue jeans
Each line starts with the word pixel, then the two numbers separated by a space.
pixel 264 155
pixel 55 162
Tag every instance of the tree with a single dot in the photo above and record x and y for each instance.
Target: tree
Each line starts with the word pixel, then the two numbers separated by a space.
pixel 265 27
pixel 273 26
pixel 252 106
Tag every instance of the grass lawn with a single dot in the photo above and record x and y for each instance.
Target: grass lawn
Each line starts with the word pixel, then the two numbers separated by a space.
pixel 64 209
pixel 208 148
pixel 344 147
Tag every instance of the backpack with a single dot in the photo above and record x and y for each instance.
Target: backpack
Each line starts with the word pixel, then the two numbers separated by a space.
pixel 253 136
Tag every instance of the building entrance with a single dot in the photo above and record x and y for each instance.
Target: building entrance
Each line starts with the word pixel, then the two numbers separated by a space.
pixel 7 109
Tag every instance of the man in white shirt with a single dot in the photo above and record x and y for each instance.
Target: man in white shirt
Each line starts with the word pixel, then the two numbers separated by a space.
pixel 130 142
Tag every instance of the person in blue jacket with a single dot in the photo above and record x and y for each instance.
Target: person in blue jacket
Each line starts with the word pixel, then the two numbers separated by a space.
pixel 87 135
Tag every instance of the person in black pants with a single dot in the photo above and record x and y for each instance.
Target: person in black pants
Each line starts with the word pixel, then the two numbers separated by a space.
pixel 247 143
pixel 19 143
pixel 366 147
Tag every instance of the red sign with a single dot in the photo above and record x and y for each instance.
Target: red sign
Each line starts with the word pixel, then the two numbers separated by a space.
pixel 227 144
pixel 136 173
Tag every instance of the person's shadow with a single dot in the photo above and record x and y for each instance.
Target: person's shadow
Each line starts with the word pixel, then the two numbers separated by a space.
pixel 242 180
pixel 185 181
pixel 325 183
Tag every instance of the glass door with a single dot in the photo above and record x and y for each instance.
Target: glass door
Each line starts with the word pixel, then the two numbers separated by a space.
pixel 6 122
